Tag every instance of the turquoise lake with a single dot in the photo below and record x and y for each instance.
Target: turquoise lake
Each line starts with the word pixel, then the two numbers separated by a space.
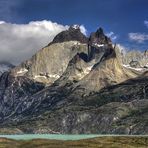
pixel 58 136
pixel 48 136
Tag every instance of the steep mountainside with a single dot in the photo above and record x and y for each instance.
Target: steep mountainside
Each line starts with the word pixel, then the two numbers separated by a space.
pixel 50 63
pixel 75 85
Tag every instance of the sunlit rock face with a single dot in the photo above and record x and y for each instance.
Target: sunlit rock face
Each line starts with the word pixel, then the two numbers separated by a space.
pixel 50 62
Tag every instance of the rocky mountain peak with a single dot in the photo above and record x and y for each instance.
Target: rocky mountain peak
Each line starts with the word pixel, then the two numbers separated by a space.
pixel 74 27
pixel 100 45
pixel 100 31
pixel 72 34
pixel 99 38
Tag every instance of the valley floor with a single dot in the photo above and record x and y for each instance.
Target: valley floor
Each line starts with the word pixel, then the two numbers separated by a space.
pixel 101 142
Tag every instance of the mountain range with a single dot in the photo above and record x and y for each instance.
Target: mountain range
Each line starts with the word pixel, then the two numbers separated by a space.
pixel 77 85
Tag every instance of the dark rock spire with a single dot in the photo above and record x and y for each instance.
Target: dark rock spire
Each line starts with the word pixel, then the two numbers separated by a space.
pixel 72 34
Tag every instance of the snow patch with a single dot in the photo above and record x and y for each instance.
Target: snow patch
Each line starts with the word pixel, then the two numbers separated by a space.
pixel 87 70
pixel 115 118
pixel 22 71
pixel 137 69
pixel 39 76
pixel 99 45
pixel 76 26
pixel 76 43
pixel 54 76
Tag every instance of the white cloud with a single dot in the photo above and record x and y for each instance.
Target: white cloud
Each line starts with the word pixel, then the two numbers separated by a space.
pixel 2 22
pixel 19 42
pixel 146 23
pixel 112 35
pixel 138 37
pixel 122 49
pixel 83 29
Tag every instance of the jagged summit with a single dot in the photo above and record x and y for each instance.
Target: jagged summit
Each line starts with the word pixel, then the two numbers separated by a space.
pixel 72 34
pixel 76 26
pixel 98 44
pixel 99 38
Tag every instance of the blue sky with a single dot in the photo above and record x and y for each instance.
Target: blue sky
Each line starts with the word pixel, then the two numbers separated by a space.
pixel 119 16
pixel 126 19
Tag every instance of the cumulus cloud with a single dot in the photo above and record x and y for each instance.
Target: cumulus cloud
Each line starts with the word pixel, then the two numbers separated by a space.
pixel 138 37
pixel 122 49
pixel 112 35
pixel 146 23
pixel 83 29
pixel 19 42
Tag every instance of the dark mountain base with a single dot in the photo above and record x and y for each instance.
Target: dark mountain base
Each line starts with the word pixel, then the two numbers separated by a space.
pixel 118 109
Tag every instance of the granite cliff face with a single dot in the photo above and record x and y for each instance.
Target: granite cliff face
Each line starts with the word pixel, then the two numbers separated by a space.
pixel 75 85
pixel 50 62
